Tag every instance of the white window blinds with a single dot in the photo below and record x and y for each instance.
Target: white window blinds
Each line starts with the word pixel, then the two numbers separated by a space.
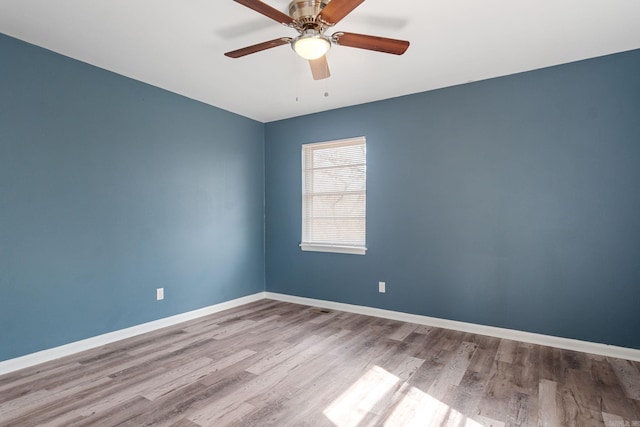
pixel 334 184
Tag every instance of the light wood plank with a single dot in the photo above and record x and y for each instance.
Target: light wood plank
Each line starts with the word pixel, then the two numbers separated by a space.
pixel 548 411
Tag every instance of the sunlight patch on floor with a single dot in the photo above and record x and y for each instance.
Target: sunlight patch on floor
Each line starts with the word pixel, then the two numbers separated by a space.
pixel 355 403
pixel 415 408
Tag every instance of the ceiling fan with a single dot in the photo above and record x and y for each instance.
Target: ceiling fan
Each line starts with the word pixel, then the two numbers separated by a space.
pixel 311 18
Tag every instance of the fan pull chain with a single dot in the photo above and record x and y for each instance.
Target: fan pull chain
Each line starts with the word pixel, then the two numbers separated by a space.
pixel 294 70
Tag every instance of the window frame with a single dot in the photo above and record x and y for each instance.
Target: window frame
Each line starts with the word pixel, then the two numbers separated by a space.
pixel 333 247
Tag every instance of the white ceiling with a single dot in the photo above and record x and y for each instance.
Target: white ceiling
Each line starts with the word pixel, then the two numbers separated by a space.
pixel 178 45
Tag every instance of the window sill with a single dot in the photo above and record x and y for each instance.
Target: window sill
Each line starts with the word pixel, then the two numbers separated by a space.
pixel 337 249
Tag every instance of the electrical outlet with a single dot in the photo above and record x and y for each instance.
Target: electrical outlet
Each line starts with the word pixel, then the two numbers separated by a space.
pixel 382 287
pixel 159 294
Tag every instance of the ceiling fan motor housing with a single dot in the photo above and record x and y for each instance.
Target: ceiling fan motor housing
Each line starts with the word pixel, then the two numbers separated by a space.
pixel 305 12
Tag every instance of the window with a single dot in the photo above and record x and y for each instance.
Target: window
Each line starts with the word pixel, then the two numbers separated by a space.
pixel 334 183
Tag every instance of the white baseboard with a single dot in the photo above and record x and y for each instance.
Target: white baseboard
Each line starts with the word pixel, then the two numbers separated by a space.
pixel 89 343
pixel 529 337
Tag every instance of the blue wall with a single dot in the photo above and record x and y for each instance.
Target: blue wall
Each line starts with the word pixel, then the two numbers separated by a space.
pixel 110 188
pixel 512 202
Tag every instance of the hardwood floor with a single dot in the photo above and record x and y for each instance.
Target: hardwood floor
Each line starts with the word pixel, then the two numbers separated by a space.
pixel 277 364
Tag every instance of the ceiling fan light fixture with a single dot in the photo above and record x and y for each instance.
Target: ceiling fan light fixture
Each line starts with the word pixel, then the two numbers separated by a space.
pixel 311 45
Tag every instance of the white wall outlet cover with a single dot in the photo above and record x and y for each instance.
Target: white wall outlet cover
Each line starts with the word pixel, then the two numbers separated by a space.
pixel 159 294
pixel 382 287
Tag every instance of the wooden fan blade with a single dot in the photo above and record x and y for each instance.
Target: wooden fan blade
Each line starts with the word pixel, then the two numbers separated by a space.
pixel 336 10
pixel 320 68
pixel 258 47
pixel 267 11
pixel 379 44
